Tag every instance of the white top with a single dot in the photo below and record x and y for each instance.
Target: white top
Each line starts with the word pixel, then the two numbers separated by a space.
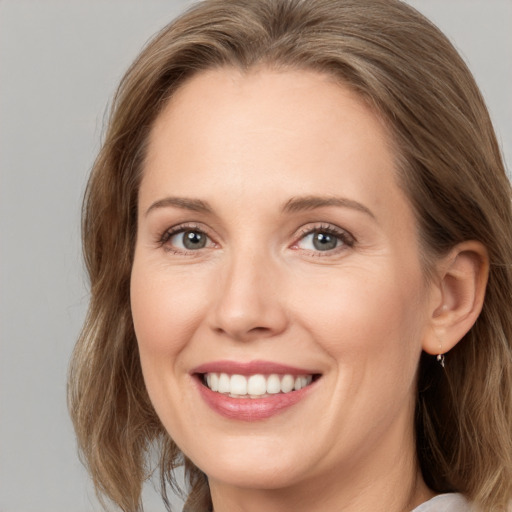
pixel 445 503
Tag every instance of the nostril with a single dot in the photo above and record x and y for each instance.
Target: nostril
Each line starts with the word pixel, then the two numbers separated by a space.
pixel 260 330
pixel 240 333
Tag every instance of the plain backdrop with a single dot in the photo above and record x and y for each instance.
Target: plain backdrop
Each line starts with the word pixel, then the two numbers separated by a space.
pixel 60 61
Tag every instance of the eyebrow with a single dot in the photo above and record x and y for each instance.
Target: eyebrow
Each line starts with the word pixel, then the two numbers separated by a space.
pixel 185 203
pixel 295 204
pixel 304 203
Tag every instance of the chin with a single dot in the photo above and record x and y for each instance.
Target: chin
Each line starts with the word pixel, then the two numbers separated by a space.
pixel 256 464
pixel 254 475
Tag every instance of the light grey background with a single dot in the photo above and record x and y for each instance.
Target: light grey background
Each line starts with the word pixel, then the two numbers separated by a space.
pixel 60 61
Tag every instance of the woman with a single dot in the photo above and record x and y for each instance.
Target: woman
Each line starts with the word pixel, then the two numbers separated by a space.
pixel 298 235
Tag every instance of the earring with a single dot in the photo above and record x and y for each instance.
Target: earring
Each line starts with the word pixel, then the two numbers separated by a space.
pixel 440 356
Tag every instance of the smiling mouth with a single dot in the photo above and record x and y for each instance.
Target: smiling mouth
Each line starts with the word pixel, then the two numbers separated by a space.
pixel 255 386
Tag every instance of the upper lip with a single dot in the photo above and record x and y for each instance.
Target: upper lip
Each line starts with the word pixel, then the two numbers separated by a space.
pixel 251 368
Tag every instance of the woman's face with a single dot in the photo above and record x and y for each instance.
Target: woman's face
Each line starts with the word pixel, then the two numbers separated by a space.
pixel 276 256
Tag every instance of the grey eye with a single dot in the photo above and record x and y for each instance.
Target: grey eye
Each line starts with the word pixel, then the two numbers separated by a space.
pixel 320 241
pixel 324 241
pixel 190 240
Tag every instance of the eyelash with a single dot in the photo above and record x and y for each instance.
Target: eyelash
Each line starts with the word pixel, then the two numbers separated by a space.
pixel 164 238
pixel 346 239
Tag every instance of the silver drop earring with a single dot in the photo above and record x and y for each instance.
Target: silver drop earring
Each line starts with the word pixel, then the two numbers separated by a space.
pixel 440 356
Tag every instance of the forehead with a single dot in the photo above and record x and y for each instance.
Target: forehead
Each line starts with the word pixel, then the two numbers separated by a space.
pixel 297 103
pixel 292 132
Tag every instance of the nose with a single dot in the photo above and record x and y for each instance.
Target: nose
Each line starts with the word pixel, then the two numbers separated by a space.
pixel 248 303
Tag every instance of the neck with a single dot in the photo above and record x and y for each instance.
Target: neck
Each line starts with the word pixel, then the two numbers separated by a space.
pixel 322 497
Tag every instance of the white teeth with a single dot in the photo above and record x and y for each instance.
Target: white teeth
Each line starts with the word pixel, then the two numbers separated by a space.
pixel 302 382
pixel 213 381
pixel 287 383
pixel 238 385
pixel 273 384
pixel 224 383
pixel 255 386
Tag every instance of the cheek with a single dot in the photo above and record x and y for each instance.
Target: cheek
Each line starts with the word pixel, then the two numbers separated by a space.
pixel 372 329
pixel 371 317
pixel 163 311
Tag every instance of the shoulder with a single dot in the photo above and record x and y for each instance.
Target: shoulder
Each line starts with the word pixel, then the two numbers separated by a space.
pixel 445 503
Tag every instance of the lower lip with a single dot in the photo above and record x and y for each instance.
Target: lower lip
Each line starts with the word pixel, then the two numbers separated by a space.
pixel 251 409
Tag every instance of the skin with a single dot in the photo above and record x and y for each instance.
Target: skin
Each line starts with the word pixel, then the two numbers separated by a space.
pixel 360 314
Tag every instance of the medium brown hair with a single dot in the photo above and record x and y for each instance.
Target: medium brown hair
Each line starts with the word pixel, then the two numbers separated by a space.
pixel 448 161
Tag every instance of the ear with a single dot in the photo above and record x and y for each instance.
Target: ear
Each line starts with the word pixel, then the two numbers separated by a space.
pixel 457 297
